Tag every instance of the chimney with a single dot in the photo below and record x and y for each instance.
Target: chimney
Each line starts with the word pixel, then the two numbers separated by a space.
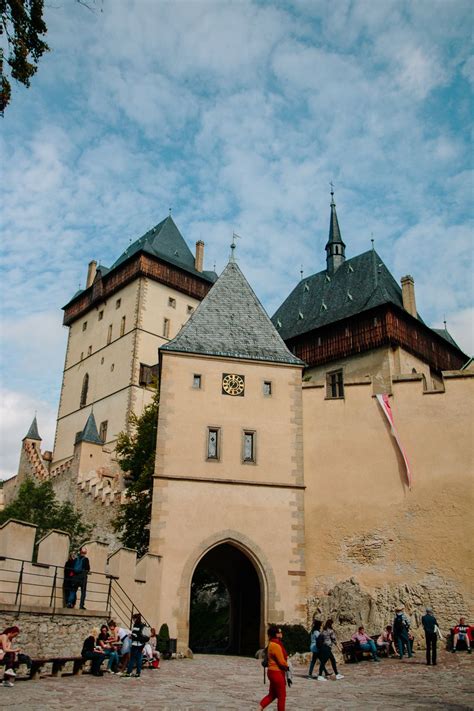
pixel 199 260
pixel 408 295
pixel 91 273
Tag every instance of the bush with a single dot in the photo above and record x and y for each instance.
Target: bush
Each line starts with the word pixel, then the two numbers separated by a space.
pixel 163 639
pixel 295 638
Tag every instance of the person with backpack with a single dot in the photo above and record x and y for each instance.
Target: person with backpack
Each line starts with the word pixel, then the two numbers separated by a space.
pixel 140 636
pixel 277 660
pixel 325 651
pixel 401 627
pixel 81 568
pixel 315 644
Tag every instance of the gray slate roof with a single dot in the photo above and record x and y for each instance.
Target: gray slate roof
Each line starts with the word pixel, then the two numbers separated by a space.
pixel 444 333
pixel 166 242
pixel 90 433
pixel 231 322
pixel 33 431
pixel 360 283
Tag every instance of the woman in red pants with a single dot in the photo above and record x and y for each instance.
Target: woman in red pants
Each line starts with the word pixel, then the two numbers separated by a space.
pixel 277 666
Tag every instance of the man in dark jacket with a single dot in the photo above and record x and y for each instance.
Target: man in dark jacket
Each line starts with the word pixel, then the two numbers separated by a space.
pixel 429 625
pixel 81 571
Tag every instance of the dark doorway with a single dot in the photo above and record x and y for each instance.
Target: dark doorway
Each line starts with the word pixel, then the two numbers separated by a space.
pixel 225 604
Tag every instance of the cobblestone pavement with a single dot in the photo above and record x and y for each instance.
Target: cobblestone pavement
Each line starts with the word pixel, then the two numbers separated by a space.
pixel 208 683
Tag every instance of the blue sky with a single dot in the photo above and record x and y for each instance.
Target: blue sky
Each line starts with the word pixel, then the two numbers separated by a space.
pixel 237 115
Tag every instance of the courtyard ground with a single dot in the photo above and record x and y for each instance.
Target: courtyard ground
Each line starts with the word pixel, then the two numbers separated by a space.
pixel 208 683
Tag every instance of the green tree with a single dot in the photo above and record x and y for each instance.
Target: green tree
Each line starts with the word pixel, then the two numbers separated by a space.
pixel 24 28
pixel 37 503
pixel 136 456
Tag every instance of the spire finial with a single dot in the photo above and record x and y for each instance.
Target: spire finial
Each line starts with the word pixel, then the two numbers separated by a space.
pixel 332 193
pixel 372 240
pixel 233 246
pixel 445 323
pixel 169 210
pixel 301 272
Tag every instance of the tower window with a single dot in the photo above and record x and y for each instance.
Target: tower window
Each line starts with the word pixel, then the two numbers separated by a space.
pixel 213 443
pixel 100 315
pixel 248 453
pixel 89 350
pixel 84 325
pixel 335 384
pixel 118 303
pixel 103 430
pixel 82 355
pixel 267 388
pixel 172 302
pixel 190 309
pixel 109 334
pixel 166 328
pixel 196 381
pixel 122 326
pixel 84 390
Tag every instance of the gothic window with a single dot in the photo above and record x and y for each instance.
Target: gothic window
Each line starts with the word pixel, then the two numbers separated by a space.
pixel 213 443
pixel 103 430
pixel 248 454
pixel 85 388
pixel 122 326
pixel 109 334
pixel 335 384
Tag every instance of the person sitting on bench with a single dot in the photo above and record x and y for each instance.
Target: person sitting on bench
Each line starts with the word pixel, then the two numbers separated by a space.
pixel 462 633
pixel 385 641
pixel 366 643
pixel 92 652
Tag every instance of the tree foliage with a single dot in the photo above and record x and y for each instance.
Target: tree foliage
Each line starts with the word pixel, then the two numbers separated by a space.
pixel 136 456
pixel 24 28
pixel 37 503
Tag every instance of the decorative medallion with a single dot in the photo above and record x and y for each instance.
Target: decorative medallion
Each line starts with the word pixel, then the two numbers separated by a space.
pixel 233 384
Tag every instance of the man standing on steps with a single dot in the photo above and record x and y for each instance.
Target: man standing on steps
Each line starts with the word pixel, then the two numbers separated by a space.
pixel 81 571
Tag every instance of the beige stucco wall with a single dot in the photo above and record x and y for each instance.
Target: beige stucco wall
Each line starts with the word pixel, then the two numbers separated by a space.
pixel 257 507
pixel 362 521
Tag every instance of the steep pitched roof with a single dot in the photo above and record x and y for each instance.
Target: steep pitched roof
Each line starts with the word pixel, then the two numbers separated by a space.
pixel 444 333
pixel 166 242
pixel 231 322
pixel 359 284
pixel 33 431
pixel 90 433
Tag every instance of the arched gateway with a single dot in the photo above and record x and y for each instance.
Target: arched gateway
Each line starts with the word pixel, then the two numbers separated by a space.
pixel 225 603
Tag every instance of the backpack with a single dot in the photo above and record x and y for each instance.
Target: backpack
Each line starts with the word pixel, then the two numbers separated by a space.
pixel 399 625
pixel 144 634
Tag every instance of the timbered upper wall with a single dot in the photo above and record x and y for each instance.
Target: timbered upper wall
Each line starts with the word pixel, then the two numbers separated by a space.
pixel 371 330
pixel 142 264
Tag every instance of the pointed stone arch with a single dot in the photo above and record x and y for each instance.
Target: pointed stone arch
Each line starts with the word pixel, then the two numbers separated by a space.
pixel 256 556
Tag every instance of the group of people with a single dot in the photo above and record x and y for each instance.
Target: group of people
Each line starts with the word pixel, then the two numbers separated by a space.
pixel 76 570
pixel 125 650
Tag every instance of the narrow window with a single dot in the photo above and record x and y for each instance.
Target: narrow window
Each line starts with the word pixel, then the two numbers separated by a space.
pixel 112 367
pixel 334 384
pixel 267 387
pixel 249 446
pixel 122 326
pixel 85 388
pixel 172 302
pixel 109 334
pixel 84 325
pixel 101 315
pixel 213 443
pixel 82 355
pixel 196 381
pixel 166 328
pixel 103 430
pixel 89 350
pixel 118 303
pixel 190 309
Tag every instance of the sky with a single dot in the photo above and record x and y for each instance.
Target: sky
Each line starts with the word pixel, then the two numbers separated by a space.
pixel 237 116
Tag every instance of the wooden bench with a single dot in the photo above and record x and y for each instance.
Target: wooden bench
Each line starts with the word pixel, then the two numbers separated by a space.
pixel 352 652
pixel 57 666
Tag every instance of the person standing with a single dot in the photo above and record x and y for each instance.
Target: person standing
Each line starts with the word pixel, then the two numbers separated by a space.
pixel 314 646
pixel 401 626
pixel 326 653
pixel 277 668
pixel 139 638
pixel 81 571
pixel 429 625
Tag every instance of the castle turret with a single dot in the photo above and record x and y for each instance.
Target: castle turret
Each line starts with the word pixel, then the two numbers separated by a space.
pixel 335 247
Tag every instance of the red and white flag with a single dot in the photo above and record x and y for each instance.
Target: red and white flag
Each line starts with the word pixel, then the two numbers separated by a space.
pixel 385 405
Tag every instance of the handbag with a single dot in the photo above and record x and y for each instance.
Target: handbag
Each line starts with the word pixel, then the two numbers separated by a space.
pixel 438 633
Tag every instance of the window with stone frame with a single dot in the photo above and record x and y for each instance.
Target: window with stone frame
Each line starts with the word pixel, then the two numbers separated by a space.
pixel 267 388
pixel 171 302
pixel 213 443
pixel 335 384
pixel 197 381
pixel 249 447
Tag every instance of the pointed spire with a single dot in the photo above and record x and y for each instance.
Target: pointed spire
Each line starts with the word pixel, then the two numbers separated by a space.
pixel 33 431
pixel 89 433
pixel 335 247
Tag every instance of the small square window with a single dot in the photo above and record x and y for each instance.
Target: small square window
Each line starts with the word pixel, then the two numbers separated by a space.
pixel 248 454
pixel 190 309
pixel 213 443
pixel 267 388
pixel 84 325
pixel 335 384
pixel 118 303
pixel 197 381
pixel 166 328
pixel 100 315
pixel 172 302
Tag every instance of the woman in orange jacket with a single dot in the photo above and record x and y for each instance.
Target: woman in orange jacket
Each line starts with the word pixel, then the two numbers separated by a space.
pixel 277 666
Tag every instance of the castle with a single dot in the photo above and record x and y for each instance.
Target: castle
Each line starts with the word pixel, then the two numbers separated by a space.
pixel 276 466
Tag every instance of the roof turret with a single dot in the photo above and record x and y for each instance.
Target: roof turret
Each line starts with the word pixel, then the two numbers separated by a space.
pixel 33 431
pixel 335 247
pixel 89 433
